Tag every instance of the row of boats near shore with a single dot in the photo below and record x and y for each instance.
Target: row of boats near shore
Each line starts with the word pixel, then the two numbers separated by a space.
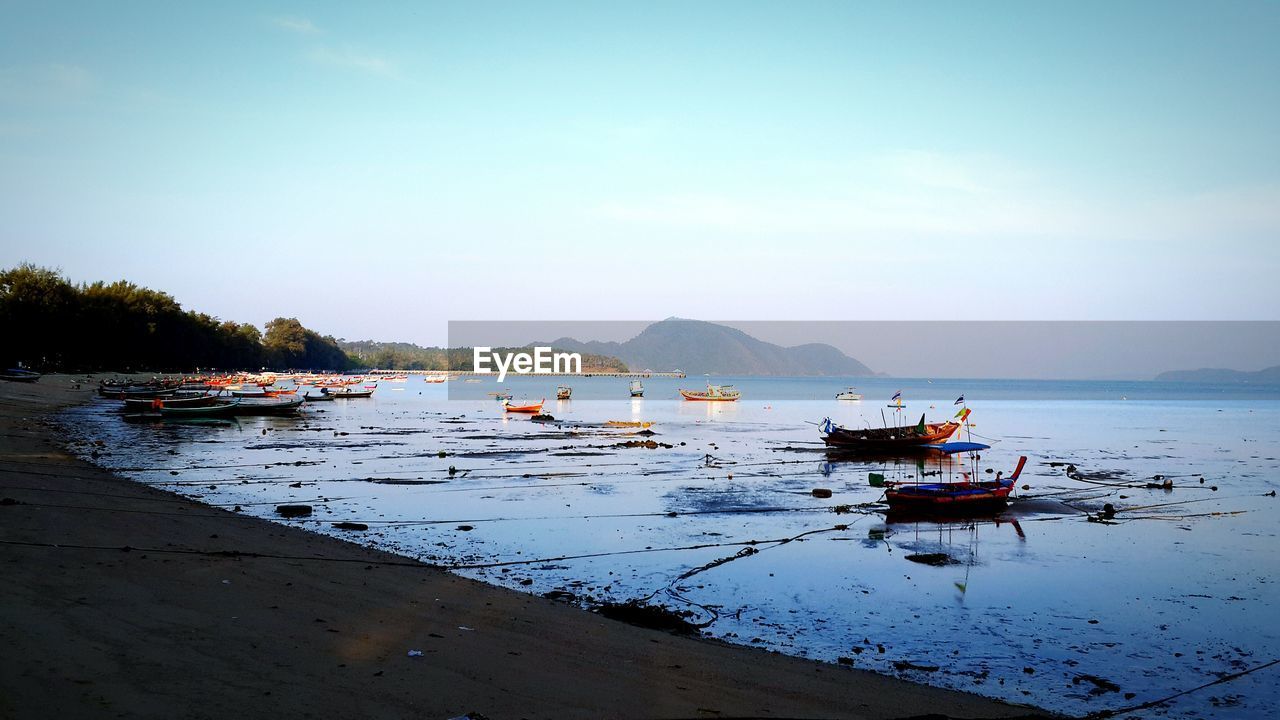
pixel 222 396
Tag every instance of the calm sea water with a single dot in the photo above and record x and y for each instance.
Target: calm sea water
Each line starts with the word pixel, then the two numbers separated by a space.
pixel 1041 606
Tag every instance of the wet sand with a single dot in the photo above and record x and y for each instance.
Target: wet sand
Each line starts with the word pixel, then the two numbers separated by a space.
pixel 121 600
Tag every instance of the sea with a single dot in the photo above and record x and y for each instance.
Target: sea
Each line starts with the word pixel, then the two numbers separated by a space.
pixel 711 512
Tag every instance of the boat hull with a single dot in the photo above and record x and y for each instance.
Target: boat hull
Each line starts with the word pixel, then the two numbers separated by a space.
pixel 908 436
pixel 704 397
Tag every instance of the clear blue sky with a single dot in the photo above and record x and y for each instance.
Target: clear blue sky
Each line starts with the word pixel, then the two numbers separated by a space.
pixel 377 169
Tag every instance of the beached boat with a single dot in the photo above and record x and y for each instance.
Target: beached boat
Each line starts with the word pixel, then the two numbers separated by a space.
pixel 849 394
pixel 564 392
pixel 951 497
pixel 283 405
pixel 529 408
pixel 142 405
pixel 218 409
pixel 906 436
pixel 19 375
pixel 637 389
pixel 713 393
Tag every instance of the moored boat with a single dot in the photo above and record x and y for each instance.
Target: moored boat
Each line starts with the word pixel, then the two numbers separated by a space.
pixel 637 389
pixel 530 408
pixel 951 497
pixel 349 393
pixel 564 392
pixel 19 375
pixel 921 434
pixel 849 394
pixel 317 397
pixel 713 393
pixel 283 405
pixel 218 409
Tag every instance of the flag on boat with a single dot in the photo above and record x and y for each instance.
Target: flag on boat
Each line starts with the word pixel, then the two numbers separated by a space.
pixel 959 401
pixel 963 414
pixel 896 396
pixel 826 426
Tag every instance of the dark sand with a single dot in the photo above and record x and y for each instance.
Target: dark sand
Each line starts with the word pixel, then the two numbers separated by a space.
pixel 321 628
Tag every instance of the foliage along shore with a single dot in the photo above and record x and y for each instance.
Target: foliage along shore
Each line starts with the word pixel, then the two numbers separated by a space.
pixel 54 325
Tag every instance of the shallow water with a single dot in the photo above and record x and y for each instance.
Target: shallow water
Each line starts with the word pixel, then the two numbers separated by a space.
pixel 1052 610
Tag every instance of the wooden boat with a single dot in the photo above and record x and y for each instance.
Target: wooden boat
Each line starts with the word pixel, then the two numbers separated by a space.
pixel 142 405
pixel 318 397
pixel 532 409
pixel 948 497
pixel 849 394
pixel 919 435
pixel 19 375
pixel 218 409
pixel 268 406
pixel 564 392
pixel 637 389
pixel 350 394
pixel 713 393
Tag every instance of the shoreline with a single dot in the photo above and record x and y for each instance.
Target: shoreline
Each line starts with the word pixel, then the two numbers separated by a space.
pixel 122 599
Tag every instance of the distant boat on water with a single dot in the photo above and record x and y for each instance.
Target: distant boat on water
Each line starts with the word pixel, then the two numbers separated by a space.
pixel 713 393
pixel 564 392
pixel 849 394
pixel 637 389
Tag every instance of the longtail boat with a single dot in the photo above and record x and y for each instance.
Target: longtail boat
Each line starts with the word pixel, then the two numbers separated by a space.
pixel 713 393
pixel 218 409
pixel 319 397
pixel 950 497
pixel 921 434
pixel 531 409
pixel 351 393
pixel 283 405
pixel 637 389
pixel 564 392
pixel 141 405
pixel 19 375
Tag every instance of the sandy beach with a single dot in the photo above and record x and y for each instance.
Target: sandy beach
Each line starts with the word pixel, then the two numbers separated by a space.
pixel 124 601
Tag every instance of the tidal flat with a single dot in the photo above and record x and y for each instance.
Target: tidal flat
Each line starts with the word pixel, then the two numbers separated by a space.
pixel 711 514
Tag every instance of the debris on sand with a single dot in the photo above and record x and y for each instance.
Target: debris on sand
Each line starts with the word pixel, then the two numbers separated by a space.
pixel 907 665
pixel 293 510
pixel 1101 686
pixel 934 559
pixel 350 526
pixel 656 617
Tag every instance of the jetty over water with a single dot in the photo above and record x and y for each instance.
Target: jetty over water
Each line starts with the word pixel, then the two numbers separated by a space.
pixel 584 373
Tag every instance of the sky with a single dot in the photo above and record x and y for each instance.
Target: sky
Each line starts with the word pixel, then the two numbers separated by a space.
pixel 379 169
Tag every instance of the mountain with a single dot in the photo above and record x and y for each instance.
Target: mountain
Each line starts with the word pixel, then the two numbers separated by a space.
pixel 698 347
pixel 1266 376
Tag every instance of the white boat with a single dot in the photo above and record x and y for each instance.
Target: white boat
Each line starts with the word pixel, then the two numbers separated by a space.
pixel 849 394
pixel 564 392
pixel 637 389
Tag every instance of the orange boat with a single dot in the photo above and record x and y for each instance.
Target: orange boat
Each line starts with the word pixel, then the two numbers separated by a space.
pixel 533 409
pixel 714 393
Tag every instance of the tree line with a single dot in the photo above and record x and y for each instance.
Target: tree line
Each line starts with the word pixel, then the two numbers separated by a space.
pixel 51 324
